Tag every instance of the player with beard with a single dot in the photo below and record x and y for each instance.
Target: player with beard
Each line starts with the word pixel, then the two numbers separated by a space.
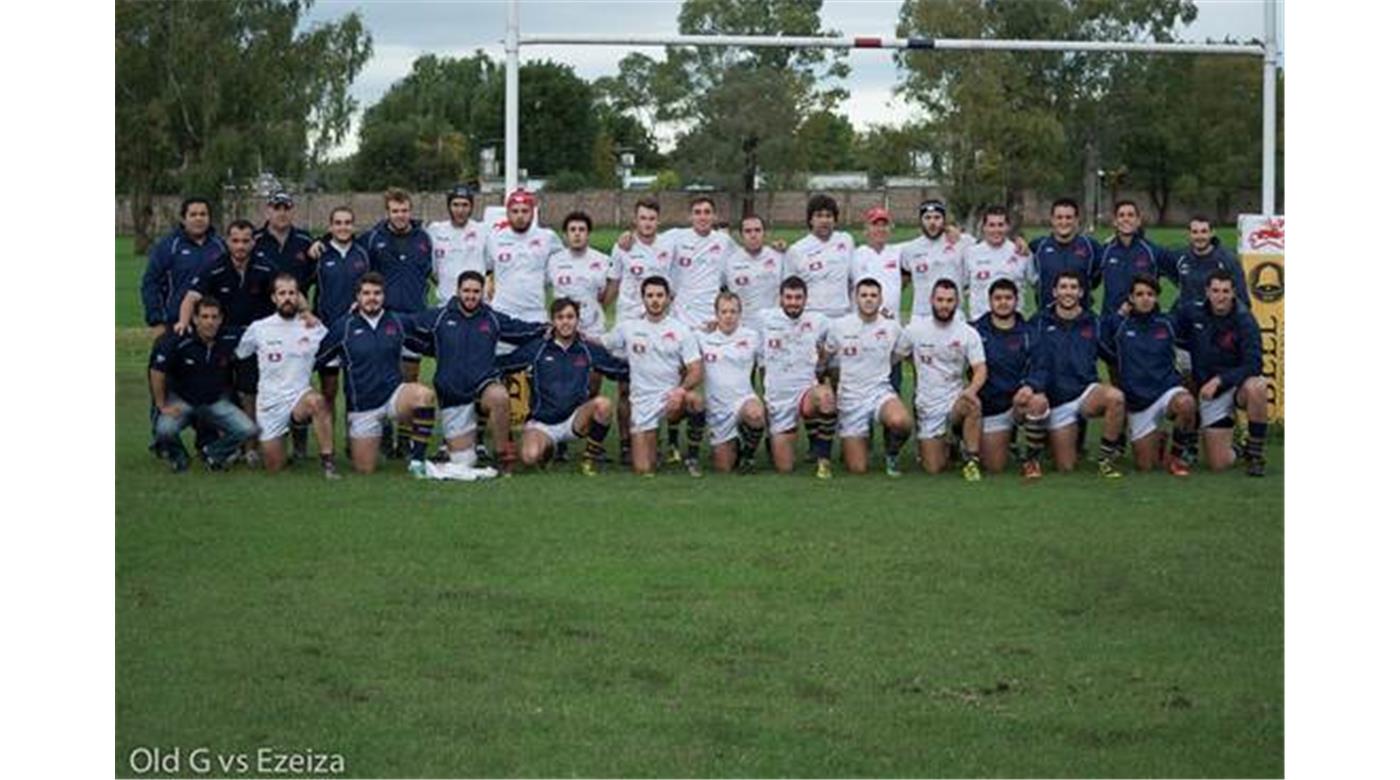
pixel 517 258
pixel 994 258
pixel 733 410
pixel 938 253
pixel 863 346
pixel 1007 401
pixel 459 243
pixel 943 347
pixel 793 359
pixel 823 259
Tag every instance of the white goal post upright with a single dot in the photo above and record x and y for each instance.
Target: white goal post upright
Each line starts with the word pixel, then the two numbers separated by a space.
pixel 514 40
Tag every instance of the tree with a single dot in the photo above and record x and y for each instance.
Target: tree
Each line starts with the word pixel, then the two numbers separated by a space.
pixel 557 123
pixel 825 142
pixel 890 150
pixel 216 92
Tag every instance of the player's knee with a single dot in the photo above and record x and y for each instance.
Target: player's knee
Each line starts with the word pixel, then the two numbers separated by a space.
pixel 1254 388
pixel 1038 405
pixel 495 396
pixel 602 408
pixel 1113 397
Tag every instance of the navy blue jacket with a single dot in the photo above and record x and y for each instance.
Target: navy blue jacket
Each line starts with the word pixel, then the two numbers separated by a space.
pixel 558 376
pixel 200 374
pixel 405 260
pixel 173 261
pixel 369 357
pixel 290 257
pixel 1228 346
pixel 247 297
pixel 1190 272
pixel 465 347
pixel 1120 265
pixel 1008 362
pixel 1064 355
pixel 1143 347
pixel 1080 255
pixel 335 279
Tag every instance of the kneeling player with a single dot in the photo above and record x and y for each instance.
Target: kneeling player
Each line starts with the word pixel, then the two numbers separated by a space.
pixel 1007 401
pixel 794 343
pixel 286 348
pixel 660 349
pixel 943 347
pixel 863 346
pixel 560 407
pixel 369 342
pixel 732 409
pixel 1143 347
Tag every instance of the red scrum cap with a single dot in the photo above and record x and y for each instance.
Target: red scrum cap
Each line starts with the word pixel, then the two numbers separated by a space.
pixel 520 196
pixel 877 214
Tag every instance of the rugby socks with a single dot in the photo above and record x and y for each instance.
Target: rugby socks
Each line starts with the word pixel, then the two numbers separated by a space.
pixel 694 434
pixel 1254 447
pixel 748 440
pixel 1183 442
pixel 420 430
pixel 1035 436
pixel 820 431
pixel 894 442
pixel 1109 449
pixel 968 455
pixel 299 431
pixel 673 436
pixel 406 433
pixel 597 433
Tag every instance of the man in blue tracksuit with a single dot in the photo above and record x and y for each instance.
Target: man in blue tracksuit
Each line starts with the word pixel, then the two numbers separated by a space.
pixel 561 410
pixel 1128 256
pixel 463 335
pixel 1142 344
pixel 1065 249
pixel 1227 365
pixel 1065 349
pixel 369 342
pixel 1190 268
pixel 173 262
pixel 1007 401
pixel 281 244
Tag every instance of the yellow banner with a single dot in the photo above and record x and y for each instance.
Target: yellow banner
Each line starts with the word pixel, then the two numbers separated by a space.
pixel 1261 254
pixel 518 388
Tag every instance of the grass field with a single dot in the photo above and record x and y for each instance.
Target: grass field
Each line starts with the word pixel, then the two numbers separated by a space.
pixel 549 625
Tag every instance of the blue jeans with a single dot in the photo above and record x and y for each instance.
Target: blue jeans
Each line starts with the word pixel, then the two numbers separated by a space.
pixel 233 425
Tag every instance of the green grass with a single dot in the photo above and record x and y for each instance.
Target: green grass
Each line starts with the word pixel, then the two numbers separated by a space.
pixel 549 625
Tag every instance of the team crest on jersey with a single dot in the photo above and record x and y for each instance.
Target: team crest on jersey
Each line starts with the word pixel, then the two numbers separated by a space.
pixel 484 327
pixel 741 344
pixel 769 263
pixel 806 326
pixel 1160 333
pixel 669 335
pixel 535 242
pixel 580 361
pixel 1080 251
pixel 1225 339
pixel 595 266
pixel 714 248
pixel 390 329
pixel 1087 331
pixel 1013 344
pixel 881 334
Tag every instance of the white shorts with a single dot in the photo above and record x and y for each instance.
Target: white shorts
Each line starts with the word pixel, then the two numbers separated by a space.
pixel 1221 406
pixel 999 423
pixel 558 433
pixel 784 409
pixel 647 411
pixel 1145 422
pixel 724 422
pixel 458 421
pixel 366 424
pixel 1065 414
pixel 933 419
pixel 856 420
pixel 274 420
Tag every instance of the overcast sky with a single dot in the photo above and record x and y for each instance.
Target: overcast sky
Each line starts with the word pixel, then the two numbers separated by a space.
pixel 404 30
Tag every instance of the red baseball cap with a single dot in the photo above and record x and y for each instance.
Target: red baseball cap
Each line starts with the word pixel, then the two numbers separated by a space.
pixel 877 213
pixel 520 196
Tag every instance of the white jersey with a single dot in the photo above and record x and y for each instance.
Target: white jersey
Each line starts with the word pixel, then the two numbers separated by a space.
pixel 928 261
pixel 286 351
pixel 583 278
pixel 883 267
pixel 791 350
pixel 942 354
pixel 864 352
pixel 755 279
pixel 633 267
pixel 696 269
pixel 826 268
pixel 656 352
pixel 985 264
pixel 456 249
pixel 519 262
pixel 729 362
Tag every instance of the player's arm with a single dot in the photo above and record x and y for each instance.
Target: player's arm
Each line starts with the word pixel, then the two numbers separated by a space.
pixel 332 344
pixel 1038 372
pixel 162 356
pixel 157 267
pixel 1108 326
pixel 513 331
pixel 1252 349
pixel 605 363
pixel 694 365
pixel 1237 271
pixel 519 358
pixel 977 357
pixel 248 344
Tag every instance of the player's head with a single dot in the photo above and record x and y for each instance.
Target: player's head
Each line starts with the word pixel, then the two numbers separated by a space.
pixel 461 199
pixel 944 299
pixel 286 298
pixel 563 316
pixel 1144 294
pixel 342 224
pixel 208 317
pixel 702 213
pixel 470 285
pixel 279 210
pixel 792 296
pixel 656 295
pixel 195 215
pixel 646 216
pixel 995 224
pixel 398 207
pixel 868 297
pixel 520 210
pixel 822 213
pixel 933 217
pixel 1003 297
pixel 1220 291
pixel 1126 218
pixel 877 226
pixel 369 293
pixel 577 226
pixel 1064 218
pixel 1201 233
pixel 239 238
pixel 728 309
pixel 752 231
pixel 1068 289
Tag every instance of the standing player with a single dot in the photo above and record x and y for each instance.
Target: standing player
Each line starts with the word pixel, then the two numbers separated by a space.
pixel 459 243
pixel 1128 256
pixel 863 347
pixel 563 407
pixel 732 408
pixel 1065 249
pixel 663 358
pixel 281 244
pixel 753 271
pixel 793 358
pixel 1227 365
pixel 647 256
pixel 369 342
pixel 285 347
pixel 879 260
pixel 1007 401
pixel 823 259
pixel 340 265
pixel 1191 268
pixel 517 258
pixel 994 258
pixel 698 261
pixel 943 347
pixel 935 254
pixel 1065 350
pixel 580 273
pixel 174 261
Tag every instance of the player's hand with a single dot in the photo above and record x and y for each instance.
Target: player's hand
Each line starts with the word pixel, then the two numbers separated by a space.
pixel 181 328
pixel 675 397
pixel 887 314
pixel 778 244
pixel 170 410
pixel 1125 309
pixel 1022 248
pixel 314 251
pixel 310 320
pixel 953 232
pixel 624 241
pixel 1209 389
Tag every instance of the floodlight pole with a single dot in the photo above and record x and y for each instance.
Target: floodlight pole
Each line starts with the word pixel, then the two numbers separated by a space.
pixel 512 96
pixel 1270 110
